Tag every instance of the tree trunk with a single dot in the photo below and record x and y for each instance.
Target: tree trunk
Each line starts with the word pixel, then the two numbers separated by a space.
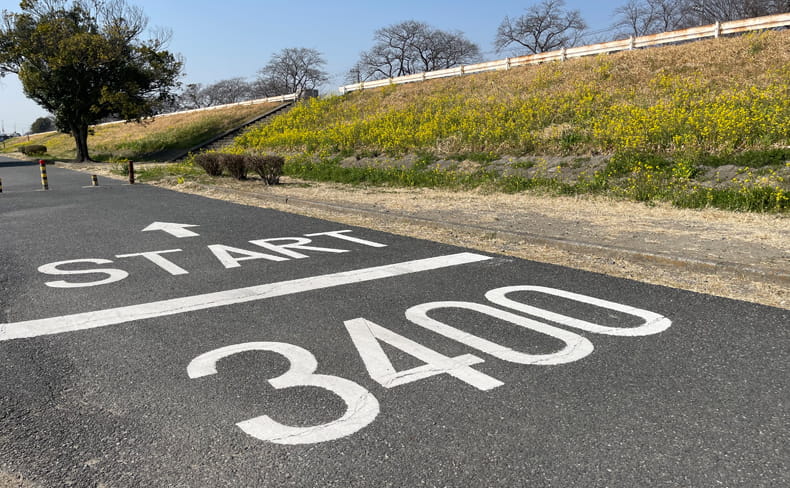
pixel 80 135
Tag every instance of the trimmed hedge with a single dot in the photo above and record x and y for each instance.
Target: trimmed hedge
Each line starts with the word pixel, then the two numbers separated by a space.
pixel 31 149
pixel 269 168
pixel 235 165
pixel 210 162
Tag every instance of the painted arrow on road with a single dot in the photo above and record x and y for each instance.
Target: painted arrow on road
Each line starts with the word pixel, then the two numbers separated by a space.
pixel 175 230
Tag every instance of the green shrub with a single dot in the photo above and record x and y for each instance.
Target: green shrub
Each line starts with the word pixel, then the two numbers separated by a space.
pixel 120 168
pixel 752 159
pixel 268 167
pixel 31 149
pixel 627 163
pixel 235 165
pixel 210 162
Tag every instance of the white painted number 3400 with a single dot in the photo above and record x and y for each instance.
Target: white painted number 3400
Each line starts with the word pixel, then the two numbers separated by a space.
pixel 362 407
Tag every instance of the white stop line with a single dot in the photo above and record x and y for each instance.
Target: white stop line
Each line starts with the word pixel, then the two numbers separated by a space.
pixel 112 316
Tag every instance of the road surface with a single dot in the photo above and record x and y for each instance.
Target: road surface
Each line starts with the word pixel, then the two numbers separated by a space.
pixel 152 338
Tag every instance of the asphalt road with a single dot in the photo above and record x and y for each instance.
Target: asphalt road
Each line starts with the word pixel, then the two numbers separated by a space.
pixel 327 355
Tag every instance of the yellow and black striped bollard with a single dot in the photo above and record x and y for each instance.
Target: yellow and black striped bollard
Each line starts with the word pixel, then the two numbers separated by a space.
pixel 43 165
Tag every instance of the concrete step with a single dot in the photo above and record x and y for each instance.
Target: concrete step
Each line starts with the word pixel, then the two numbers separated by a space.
pixel 226 139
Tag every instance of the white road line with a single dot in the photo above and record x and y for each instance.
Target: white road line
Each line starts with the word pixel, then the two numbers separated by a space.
pixel 112 316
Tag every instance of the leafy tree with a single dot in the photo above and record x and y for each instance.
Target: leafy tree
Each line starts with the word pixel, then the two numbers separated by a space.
pixel 85 61
pixel 292 70
pixel 546 26
pixel 412 47
pixel 42 124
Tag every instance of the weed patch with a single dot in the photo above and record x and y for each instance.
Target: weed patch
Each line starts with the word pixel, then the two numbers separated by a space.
pixel 631 177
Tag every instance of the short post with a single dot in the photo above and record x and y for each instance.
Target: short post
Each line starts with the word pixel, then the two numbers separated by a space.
pixel 1 185
pixel 309 93
pixel 131 172
pixel 94 180
pixel 43 166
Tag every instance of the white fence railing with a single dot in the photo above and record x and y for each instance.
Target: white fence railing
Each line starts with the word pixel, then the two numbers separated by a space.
pixel 714 30
pixel 258 101
pixel 279 98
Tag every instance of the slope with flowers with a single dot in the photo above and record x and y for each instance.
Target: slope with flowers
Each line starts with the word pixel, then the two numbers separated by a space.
pixel 651 120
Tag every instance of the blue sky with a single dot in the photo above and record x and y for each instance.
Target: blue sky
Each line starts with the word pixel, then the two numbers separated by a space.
pixel 230 38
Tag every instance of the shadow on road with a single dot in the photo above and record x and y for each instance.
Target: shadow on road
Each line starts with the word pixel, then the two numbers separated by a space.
pixel 14 164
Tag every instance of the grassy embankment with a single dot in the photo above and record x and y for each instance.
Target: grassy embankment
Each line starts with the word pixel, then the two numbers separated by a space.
pixel 700 124
pixel 156 139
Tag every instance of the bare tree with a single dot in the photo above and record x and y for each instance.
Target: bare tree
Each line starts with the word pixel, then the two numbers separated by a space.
pixel 356 73
pixel 441 50
pixel 412 47
pixel 546 26
pixel 644 17
pixel 292 70
pixel 668 15
pixel 227 91
pixel 191 97
pixel 703 12
pixel 232 90
pixel 635 18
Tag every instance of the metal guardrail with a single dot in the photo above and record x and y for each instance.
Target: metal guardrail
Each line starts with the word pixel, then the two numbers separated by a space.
pixel 714 30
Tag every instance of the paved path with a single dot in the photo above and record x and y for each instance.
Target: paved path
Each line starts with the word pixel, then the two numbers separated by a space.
pixel 742 256
pixel 152 338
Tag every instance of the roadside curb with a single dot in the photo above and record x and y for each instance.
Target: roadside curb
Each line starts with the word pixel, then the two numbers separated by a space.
pixel 698 265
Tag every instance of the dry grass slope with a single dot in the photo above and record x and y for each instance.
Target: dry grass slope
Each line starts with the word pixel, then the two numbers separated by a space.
pixel 153 140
